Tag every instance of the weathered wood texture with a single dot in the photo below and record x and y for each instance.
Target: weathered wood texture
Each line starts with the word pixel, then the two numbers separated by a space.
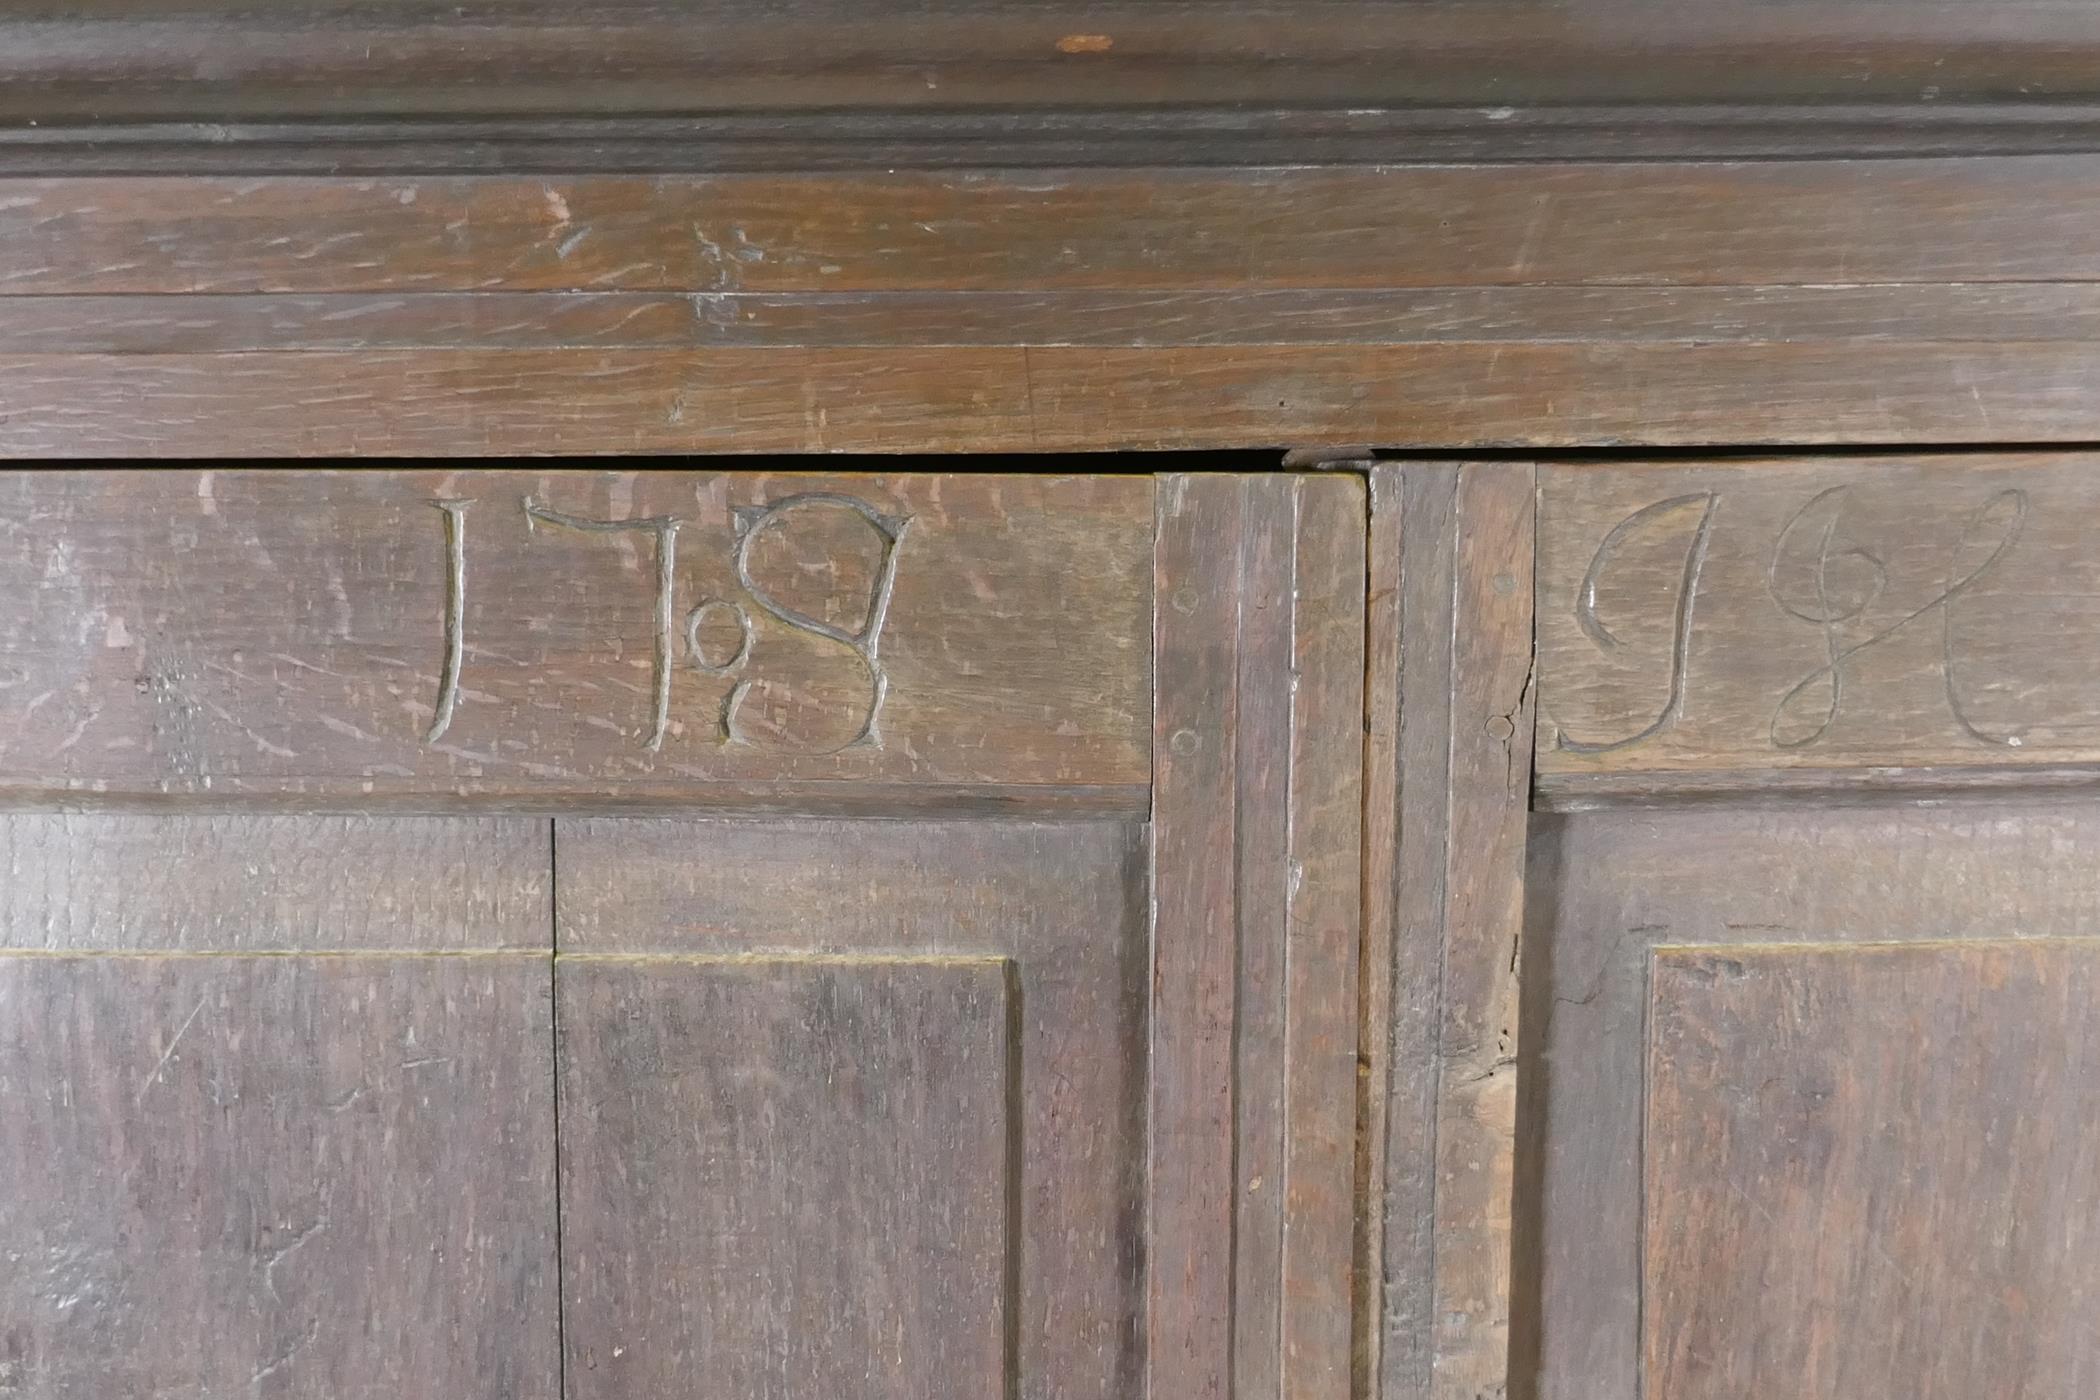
pixel 1814 623
pixel 1843 1194
pixel 326 1178
pixel 1909 1120
pixel 1057 309
pixel 226 883
pixel 1256 923
pixel 428 637
pixel 1725 225
pixel 211 61
pixel 1147 137
pixel 1453 545
pixel 814 905
pixel 789 1176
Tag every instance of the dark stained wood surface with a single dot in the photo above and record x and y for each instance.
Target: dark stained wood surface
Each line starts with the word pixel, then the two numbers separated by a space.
pixel 1031 399
pixel 1454 545
pixel 1382 1183
pixel 1061 904
pixel 1869 1171
pixel 1832 224
pixel 1443 324
pixel 1256 816
pixel 214 60
pixel 1706 625
pixel 430 637
pixel 1811 895
pixel 1121 137
pixel 1552 304
pixel 315 1178
pixel 225 883
pixel 789 1176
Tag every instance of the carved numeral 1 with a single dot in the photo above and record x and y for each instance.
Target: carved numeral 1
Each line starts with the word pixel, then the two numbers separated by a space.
pixel 455 617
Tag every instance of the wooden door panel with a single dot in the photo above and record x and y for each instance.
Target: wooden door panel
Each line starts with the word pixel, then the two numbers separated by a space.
pixel 789 1175
pixel 276 1109
pixel 315 1178
pixel 1872 1170
pixel 995 967
pixel 1807 1093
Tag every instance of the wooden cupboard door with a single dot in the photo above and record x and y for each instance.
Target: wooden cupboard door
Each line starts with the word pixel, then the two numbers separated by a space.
pixel 1036 1105
pixel 276 1109
pixel 940 970
pixel 1810 1042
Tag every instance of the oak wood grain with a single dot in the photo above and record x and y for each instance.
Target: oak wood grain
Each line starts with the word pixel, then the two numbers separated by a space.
pixel 1548 304
pixel 1464 318
pixel 1899 1211
pixel 1191 1180
pixel 316 1178
pixel 485 403
pixel 1063 904
pixel 789 1175
pixel 232 883
pixel 1606 888
pixel 1860 618
pixel 1256 922
pixel 1575 223
pixel 1381 1183
pixel 1451 760
pixel 436 637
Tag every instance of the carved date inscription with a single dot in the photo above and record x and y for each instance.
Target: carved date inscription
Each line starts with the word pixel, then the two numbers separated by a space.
pixel 1819 613
pixel 447 635
pixel 862 641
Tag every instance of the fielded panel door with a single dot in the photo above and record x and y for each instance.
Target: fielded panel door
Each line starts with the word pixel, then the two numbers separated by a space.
pixel 482 933
pixel 1810 1048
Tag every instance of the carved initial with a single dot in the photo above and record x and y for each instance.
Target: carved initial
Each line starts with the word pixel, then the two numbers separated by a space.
pixel 1815 580
pixel 1593 626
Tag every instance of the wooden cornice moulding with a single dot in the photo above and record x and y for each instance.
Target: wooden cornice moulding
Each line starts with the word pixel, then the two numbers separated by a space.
pixel 1844 626
pixel 1142 137
pixel 1546 305
pixel 541 639
pixel 222 59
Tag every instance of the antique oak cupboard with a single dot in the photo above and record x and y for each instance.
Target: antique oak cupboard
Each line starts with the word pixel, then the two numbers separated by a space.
pixel 1333 701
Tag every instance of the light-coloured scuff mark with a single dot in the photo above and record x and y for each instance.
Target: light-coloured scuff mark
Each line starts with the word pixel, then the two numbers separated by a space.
pixel 347 729
pixel 118 636
pixel 1534 234
pixel 207 503
pixel 284 1358
pixel 1085 43
pixel 169 1053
